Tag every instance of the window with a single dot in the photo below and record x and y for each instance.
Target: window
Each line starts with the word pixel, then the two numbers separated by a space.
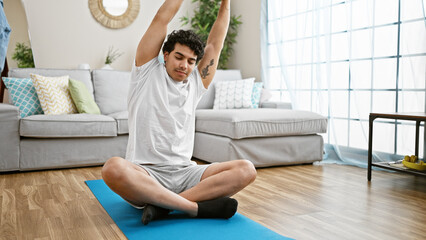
pixel 345 59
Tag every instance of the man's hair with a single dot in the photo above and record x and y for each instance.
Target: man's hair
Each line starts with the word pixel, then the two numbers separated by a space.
pixel 187 38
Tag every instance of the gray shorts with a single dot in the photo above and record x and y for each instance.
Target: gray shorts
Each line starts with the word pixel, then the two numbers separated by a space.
pixel 175 178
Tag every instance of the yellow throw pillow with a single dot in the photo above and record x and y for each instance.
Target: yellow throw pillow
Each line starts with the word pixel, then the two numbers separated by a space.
pixel 53 94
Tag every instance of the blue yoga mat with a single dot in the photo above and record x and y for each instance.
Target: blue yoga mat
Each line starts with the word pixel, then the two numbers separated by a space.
pixel 177 225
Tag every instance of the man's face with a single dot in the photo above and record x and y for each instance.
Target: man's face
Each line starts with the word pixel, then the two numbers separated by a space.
pixel 180 62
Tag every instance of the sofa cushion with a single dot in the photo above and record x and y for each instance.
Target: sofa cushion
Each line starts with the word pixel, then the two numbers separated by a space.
pixel 207 100
pixel 68 125
pixel 81 97
pixel 122 123
pixel 233 94
pixel 111 89
pixel 53 94
pixel 257 94
pixel 82 75
pixel 247 123
pixel 24 96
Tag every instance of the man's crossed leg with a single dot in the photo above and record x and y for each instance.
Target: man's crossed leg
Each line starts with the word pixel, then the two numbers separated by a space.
pixel 207 199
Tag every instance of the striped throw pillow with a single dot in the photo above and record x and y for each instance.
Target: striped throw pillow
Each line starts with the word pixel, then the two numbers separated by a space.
pixel 53 94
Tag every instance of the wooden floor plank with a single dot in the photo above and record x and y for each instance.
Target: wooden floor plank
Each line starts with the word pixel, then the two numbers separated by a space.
pixel 302 202
pixel 8 226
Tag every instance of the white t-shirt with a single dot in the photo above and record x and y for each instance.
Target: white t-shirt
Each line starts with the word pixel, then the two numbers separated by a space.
pixel 162 115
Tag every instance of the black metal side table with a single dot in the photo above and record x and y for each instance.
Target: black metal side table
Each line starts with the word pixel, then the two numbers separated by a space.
pixel 418 117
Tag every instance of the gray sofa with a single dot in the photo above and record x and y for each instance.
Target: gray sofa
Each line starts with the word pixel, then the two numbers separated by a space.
pixel 267 137
pixel 271 135
pixel 60 141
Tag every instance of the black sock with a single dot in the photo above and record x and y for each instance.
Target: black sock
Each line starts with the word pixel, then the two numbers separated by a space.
pixel 151 212
pixel 217 208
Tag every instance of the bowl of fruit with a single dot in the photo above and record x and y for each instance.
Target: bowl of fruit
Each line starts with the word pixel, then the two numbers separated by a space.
pixel 413 163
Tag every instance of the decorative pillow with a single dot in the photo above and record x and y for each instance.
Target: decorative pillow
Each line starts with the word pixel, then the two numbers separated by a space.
pixel 257 92
pixel 81 97
pixel 265 96
pixel 233 94
pixel 53 94
pixel 23 95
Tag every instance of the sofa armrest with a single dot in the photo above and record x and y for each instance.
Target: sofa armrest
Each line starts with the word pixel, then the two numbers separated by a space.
pixel 9 137
pixel 281 105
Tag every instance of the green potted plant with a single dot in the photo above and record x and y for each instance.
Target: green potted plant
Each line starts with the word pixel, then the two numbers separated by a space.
pixel 23 56
pixel 112 55
pixel 202 22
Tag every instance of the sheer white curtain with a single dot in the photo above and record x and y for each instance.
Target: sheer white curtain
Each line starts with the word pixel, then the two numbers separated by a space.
pixel 345 59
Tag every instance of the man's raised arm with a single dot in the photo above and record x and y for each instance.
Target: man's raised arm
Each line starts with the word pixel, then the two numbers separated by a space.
pixel 150 45
pixel 207 66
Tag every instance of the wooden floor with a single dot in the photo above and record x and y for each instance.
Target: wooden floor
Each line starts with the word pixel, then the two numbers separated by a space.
pixel 302 202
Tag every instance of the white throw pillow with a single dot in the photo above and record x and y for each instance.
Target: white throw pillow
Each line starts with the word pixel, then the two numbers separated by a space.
pixel 265 96
pixel 53 94
pixel 233 94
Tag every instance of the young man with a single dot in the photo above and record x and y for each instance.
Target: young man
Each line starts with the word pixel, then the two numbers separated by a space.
pixel 158 173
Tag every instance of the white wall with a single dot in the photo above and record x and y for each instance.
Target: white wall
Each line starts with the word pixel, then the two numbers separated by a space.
pixel 247 50
pixel 64 34
pixel 18 23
